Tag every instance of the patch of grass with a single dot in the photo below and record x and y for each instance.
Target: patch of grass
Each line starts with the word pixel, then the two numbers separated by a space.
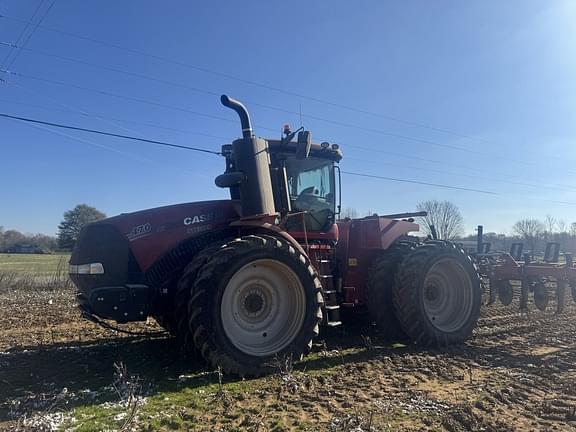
pixel 173 408
pixel 37 265
pixel 94 418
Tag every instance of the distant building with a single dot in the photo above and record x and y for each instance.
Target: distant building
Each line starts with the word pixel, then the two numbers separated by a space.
pixel 26 249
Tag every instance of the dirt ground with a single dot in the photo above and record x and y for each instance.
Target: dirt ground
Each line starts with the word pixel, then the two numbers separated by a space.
pixel 517 373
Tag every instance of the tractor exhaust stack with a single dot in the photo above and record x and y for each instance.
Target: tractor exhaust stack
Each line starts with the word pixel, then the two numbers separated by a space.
pixel 248 167
pixel 242 113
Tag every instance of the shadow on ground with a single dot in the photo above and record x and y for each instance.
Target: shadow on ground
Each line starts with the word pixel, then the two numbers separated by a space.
pixel 90 366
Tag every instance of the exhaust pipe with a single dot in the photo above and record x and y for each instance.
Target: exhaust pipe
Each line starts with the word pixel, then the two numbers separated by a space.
pixel 242 113
pixel 248 167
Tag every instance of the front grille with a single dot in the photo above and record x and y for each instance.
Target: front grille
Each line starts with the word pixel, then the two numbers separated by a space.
pixel 103 243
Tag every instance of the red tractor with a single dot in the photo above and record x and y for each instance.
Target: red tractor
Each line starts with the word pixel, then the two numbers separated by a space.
pixel 248 280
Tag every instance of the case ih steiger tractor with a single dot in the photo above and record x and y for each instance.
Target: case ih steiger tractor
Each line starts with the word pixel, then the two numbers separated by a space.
pixel 248 280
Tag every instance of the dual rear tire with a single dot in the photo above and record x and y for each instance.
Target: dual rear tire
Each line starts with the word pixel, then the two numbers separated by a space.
pixel 432 293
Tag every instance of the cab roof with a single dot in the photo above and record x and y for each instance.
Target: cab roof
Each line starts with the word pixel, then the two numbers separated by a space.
pixel 316 150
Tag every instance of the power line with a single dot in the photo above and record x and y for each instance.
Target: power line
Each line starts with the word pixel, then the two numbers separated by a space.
pixel 441 162
pixel 453 187
pixel 317 118
pixel 18 51
pixel 538 186
pixel 472 176
pixel 129 98
pixel 419 182
pixel 75 108
pixel 139 158
pixel 114 119
pixel 250 82
pixel 99 132
pixel 110 69
pixel 222 119
pixel 22 33
pixel 161 143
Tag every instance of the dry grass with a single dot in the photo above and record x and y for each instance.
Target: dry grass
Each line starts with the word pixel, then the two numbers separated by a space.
pixel 57 278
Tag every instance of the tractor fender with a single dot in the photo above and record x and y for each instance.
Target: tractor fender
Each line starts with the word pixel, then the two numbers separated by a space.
pixel 262 226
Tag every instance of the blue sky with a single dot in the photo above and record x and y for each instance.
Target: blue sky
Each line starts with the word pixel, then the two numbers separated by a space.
pixel 498 75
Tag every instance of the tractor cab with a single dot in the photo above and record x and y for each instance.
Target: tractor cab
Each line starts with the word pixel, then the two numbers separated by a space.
pixel 293 178
pixel 305 189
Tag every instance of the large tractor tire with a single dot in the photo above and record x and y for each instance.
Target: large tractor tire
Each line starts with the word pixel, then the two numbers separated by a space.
pixel 380 285
pixel 184 292
pixel 256 301
pixel 437 294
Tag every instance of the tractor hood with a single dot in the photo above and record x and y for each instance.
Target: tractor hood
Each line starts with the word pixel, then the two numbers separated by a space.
pixel 145 236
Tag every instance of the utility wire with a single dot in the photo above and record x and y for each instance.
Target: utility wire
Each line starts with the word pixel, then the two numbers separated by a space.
pixel 453 187
pixel 436 161
pixel 250 82
pixel 472 176
pixel 22 33
pixel 394 179
pixel 114 119
pixel 125 97
pixel 23 45
pixel 419 182
pixel 99 132
pixel 75 108
pixel 537 186
pixel 312 117
pixel 129 155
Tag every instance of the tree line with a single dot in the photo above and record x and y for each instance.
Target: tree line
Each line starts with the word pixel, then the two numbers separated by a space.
pixel 535 233
pixel 73 221
pixel 14 240
pixel 445 216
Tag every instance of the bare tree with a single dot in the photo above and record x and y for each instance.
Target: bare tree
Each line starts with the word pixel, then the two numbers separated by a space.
pixel 445 216
pixel 562 227
pixel 530 230
pixel 549 227
pixel 573 229
pixel 349 212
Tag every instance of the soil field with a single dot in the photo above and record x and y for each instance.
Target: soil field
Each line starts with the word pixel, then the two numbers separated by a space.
pixel 58 372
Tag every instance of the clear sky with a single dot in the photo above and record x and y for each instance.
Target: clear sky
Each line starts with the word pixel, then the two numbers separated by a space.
pixel 492 81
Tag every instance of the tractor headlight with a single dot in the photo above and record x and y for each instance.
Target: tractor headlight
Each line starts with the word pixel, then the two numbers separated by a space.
pixel 92 268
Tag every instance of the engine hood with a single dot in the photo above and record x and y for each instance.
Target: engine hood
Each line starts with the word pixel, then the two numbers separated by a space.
pixel 149 234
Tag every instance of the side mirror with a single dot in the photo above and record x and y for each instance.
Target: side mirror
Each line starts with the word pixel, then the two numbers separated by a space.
pixel 229 179
pixel 303 145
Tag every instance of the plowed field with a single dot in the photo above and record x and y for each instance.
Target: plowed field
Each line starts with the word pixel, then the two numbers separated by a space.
pixel 60 372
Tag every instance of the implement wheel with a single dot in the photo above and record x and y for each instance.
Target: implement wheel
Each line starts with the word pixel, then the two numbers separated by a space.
pixel 256 300
pixel 505 292
pixel 437 295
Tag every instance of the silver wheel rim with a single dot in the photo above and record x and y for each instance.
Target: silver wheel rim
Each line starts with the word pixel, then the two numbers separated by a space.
pixel 263 307
pixel 448 295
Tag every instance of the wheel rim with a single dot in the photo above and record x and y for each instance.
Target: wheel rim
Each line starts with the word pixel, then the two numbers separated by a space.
pixel 448 295
pixel 263 307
